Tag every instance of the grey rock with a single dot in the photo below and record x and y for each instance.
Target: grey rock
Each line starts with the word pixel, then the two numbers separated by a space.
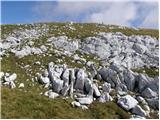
pixel 153 102
pixel 149 93
pixel 80 79
pixel 105 97
pixel 139 48
pixel 65 77
pixel 139 111
pixel 64 90
pixel 106 87
pixel 88 85
pixel 129 79
pixel 12 84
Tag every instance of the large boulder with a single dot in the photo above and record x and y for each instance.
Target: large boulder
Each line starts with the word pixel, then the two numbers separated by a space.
pixel 127 102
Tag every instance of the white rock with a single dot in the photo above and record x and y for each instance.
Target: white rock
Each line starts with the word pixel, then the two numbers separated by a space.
pixel 21 85
pixel 86 100
pixel 127 102
pixel 76 104
pixel 84 107
pixel 10 78
pixel 52 95
pixel 1 75
pixel 96 92
pixel 89 63
pixel 38 63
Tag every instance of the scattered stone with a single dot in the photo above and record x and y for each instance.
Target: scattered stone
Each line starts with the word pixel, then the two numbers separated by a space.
pixel 21 85
pixel 76 104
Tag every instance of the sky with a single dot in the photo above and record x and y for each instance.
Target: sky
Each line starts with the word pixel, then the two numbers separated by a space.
pixel 131 13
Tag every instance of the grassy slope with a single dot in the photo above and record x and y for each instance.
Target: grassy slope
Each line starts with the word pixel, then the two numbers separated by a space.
pixel 24 103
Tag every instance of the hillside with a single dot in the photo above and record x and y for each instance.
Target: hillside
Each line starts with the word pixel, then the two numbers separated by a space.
pixel 75 70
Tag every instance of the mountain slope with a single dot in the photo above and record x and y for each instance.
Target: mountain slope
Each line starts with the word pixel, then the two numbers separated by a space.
pixel 27 51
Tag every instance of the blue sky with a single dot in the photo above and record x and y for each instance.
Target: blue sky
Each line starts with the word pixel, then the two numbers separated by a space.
pixel 126 13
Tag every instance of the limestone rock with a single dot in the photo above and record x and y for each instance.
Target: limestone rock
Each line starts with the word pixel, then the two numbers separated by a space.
pixel 139 111
pixel 127 102
pixel 106 87
pixel 21 85
pixel 10 78
pixel 96 92
pixel 76 104
pixel 85 100
pixel 149 93
pixel 80 79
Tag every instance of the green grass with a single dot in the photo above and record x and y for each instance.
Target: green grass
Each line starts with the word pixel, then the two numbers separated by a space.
pixel 19 104
pixel 151 72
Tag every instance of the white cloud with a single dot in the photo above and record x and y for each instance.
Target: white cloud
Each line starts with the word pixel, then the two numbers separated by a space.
pixel 151 19
pixel 120 13
pixel 117 13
